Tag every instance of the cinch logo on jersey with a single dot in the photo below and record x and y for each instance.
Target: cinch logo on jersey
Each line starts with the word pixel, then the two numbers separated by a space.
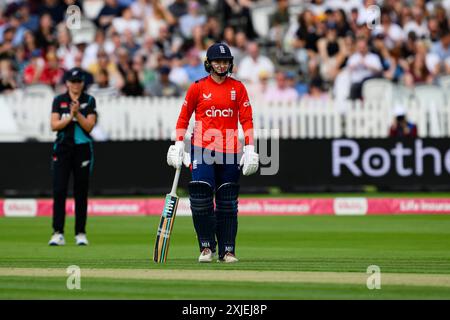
pixel 213 112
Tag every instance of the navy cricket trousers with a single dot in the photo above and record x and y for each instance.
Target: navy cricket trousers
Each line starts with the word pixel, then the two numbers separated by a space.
pixel 74 159
pixel 214 167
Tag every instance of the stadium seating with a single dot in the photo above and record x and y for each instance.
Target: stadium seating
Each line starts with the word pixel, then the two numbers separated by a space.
pixel 38 90
pixel 432 99
pixel 261 12
pixel 402 94
pixel 325 113
pixel 375 89
pixel 9 130
pixel 444 83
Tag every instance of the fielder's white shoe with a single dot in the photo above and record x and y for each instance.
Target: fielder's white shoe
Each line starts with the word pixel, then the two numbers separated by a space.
pixel 57 239
pixel 206 256
pixel 81 239
pixel 229 258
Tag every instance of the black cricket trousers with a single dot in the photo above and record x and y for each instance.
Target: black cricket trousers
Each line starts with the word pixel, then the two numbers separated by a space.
pixel 78 160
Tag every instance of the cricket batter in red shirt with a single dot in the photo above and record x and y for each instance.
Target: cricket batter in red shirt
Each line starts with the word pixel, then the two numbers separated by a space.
pixel 219 103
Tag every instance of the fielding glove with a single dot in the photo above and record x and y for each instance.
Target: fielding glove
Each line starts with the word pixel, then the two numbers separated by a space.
pixel 249 161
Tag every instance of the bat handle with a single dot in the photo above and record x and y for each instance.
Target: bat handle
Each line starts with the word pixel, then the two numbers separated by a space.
pixel 173 192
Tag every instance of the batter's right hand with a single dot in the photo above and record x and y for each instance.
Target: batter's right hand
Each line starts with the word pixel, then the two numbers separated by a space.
pixel 175 155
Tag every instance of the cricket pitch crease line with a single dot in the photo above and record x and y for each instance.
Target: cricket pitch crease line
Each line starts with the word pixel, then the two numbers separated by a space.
pixel 405 279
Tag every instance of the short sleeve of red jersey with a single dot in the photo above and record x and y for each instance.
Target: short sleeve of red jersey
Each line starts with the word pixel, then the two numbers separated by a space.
pixel 245 115
pixel 186 111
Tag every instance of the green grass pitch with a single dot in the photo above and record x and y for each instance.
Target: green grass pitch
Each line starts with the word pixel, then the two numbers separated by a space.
pixel 399 245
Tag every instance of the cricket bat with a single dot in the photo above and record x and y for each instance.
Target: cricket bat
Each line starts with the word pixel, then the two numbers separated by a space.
pixel 166 223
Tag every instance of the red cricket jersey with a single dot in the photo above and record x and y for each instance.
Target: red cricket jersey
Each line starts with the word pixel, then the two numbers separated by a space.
pixel 218 108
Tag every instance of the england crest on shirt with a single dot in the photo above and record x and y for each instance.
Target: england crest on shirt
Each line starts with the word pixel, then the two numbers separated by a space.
pixel 233 94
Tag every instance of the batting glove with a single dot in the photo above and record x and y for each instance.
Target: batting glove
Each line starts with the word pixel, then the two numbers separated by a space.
pixel 249 161
pixel 175 155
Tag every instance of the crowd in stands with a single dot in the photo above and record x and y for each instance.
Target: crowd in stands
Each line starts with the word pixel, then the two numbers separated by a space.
pixel 157 47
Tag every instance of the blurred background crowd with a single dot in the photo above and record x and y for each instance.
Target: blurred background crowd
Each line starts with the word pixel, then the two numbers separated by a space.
pixel 157 47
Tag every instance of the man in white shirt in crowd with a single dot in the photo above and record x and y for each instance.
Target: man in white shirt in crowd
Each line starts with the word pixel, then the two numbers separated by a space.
pixel 363 65
pixel 253 64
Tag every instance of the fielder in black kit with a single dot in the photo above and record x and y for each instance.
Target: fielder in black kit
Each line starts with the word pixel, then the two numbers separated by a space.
pixel 73 117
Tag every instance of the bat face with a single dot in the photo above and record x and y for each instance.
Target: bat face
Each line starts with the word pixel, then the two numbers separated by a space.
pixel 165 229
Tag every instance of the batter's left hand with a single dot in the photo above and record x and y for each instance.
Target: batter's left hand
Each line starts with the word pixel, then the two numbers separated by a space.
pixel 249 161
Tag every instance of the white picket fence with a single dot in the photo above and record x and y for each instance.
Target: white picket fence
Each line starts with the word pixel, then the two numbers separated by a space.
pixel 145 118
